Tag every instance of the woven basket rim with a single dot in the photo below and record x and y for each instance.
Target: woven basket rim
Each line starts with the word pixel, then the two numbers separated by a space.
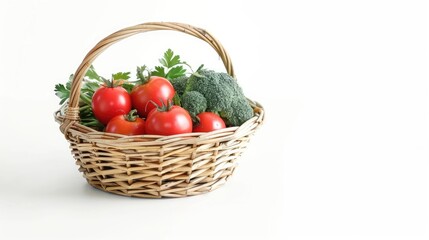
pixel 145 139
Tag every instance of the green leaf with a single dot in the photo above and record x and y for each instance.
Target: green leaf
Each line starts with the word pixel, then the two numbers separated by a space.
pixel 128 87
pixel 90 86
pixel 62 92
pixel 175 72
pixel 171 66
pixel 92 74
pixel 121 76
pixel 174 61
pixel 87 91
pixel 170 60
pixel 159 71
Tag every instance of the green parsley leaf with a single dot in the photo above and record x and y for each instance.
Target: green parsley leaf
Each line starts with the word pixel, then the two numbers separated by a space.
pixel 90 87
pixel 170 60
pixel 121 76
pixel 159 71
pixel 62 92
pixel 128 87
pixel 171 66
pixel 92 74
pixel 175 72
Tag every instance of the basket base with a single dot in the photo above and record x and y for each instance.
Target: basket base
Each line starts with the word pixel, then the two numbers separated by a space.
pixel 177 193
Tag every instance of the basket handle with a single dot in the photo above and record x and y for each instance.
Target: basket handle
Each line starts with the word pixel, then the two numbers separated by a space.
pixel 72 113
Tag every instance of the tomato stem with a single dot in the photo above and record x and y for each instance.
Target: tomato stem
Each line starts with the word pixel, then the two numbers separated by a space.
pixel 131 116
pixel 142 79
pixel 164 107
pixel 108 83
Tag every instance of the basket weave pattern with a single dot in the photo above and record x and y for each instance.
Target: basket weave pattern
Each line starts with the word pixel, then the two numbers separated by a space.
pixel 151 166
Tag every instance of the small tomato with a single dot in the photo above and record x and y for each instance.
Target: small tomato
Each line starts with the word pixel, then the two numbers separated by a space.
pixel 110 101
pixel 208 122
pixel 168 120
pixel 156 91
pixel 126 124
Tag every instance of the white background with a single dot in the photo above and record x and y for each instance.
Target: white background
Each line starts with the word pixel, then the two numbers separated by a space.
pixel 342 155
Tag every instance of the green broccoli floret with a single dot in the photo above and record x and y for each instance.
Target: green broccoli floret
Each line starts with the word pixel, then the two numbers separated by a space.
pixel 194 102
pixel 208 83
pixel 239 112
pixel 179 84
pixel 224 96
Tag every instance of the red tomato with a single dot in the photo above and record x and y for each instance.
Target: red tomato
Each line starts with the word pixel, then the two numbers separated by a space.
pixel 176 120
pixel 209 122
pixel 108 102
pixel 126 124
pixel 157 90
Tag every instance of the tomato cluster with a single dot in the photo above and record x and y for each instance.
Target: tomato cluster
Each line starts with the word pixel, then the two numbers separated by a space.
pixel 112 106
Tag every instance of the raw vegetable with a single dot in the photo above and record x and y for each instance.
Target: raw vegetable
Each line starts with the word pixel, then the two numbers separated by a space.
pixel 179 84
pixel 150 92
pixel 224 96
pixel 110 101
pixel 129 124
pixel 194 102
pixel 208 121
pixel 168 120
pixel 239 112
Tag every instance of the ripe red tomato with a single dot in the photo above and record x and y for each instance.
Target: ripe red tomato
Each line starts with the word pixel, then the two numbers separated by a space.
pixel 126 124
pixel 209 122
pixel 174 120
pixel 108 102
pixel 156 90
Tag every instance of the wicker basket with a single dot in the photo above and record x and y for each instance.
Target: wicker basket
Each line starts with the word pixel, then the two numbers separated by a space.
pixel 151 166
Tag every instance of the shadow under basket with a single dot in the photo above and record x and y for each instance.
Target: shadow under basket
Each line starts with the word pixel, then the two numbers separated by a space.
pixel 150 166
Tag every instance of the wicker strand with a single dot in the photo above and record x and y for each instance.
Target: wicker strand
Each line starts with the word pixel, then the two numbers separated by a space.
pixel 71 117
pixel 72 113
